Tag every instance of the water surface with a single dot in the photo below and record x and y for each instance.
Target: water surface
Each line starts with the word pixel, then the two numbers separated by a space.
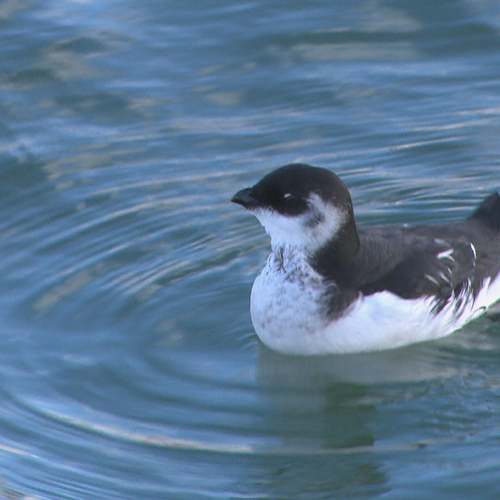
pixel 129 366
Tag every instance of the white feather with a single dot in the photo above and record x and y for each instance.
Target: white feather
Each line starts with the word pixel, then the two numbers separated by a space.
pixel 473 248
pixel 308 231
pixel 447 254
pixel 287 309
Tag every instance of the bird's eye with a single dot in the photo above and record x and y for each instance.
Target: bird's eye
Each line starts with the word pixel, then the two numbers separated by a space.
pixel 291 204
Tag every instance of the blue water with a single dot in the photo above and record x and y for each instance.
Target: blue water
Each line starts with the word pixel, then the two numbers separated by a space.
pixel 129 368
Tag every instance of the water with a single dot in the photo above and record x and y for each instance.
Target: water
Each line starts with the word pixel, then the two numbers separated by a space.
pixel 129 368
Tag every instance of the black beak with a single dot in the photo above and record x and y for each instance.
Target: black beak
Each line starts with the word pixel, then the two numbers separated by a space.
pixel 245 199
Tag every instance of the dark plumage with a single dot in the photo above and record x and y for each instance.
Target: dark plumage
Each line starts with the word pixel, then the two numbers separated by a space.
pixel 416 261
pixel 309 215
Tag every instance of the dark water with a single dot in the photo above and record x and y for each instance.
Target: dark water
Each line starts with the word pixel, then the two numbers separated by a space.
pixel 128 364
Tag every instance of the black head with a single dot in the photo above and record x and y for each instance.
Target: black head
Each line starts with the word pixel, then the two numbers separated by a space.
pixel 300 205
pixel 288 190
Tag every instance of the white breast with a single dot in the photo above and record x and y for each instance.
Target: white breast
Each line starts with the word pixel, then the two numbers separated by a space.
pixel 288 314
pixel 286 304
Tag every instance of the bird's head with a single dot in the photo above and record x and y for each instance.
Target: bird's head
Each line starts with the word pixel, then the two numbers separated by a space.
pixel 299 206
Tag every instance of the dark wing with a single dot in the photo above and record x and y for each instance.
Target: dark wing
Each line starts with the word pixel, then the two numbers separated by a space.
pixel 442 261
pixel 413 262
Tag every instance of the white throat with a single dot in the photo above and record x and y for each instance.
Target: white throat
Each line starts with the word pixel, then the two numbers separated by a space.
pixel 306 232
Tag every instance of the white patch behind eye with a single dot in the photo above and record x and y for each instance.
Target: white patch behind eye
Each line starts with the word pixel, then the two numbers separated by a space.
pixel 307 231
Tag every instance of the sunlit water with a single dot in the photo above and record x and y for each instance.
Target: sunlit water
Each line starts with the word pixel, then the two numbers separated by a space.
pixel 129 366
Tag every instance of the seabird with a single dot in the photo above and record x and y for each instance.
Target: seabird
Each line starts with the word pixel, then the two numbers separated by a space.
pixel 331 287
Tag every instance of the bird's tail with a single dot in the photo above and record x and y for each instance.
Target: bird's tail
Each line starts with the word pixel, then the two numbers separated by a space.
pixel 488 212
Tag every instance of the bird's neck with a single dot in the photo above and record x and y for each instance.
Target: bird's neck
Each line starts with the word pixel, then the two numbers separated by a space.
pixel 333 258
